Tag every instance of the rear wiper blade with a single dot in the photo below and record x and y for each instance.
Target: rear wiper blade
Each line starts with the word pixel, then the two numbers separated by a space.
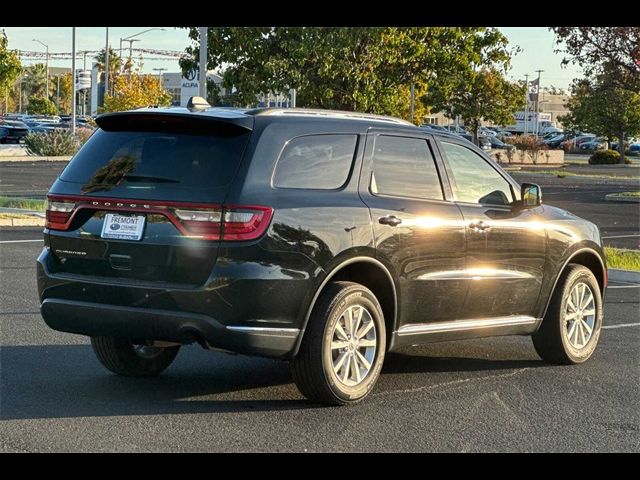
pixel 150 178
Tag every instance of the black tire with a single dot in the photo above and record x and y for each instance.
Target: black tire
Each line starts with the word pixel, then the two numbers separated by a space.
pixel 312 368
pixel 551 340
pixel 120 356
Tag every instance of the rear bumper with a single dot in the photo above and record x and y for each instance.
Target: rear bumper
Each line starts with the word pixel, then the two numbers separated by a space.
pixel 97 319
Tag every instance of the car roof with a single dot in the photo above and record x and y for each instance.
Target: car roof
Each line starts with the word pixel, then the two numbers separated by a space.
pixel 245 116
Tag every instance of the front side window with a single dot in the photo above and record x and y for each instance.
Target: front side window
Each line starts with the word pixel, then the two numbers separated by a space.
pixel 404 167
pixel 315 162
pixel 473 180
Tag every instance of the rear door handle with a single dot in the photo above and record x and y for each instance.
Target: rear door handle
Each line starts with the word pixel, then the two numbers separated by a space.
pixel 479 226
pixel 390 220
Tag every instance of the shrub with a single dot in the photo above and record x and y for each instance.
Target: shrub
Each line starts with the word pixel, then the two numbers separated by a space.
pixel 527 143
pixel 41 106
pixel 52 144
pixel 83 134
pixel 606 157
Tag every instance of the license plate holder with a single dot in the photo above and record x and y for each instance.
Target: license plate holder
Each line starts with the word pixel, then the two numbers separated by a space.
pixel 117 226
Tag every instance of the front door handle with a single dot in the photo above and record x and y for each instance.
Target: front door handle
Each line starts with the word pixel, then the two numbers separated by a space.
pixel 390 220
pixel 479 226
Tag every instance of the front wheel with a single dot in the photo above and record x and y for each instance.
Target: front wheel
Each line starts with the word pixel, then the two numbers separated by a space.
pixel 123 357
pixel 571 327
pixel 343 348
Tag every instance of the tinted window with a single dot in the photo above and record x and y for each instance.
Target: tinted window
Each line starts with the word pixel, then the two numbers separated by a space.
pixel 315 161
pixel 110 158
pixel 473 180
pixel 404 167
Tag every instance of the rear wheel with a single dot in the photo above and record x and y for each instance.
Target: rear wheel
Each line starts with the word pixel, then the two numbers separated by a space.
pixel 343 348
pixel 129 359
pixel 571 328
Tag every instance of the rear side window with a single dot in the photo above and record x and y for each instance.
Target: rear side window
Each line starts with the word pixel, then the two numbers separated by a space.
pixel 404 167
pixel 315 162
pixel 111 158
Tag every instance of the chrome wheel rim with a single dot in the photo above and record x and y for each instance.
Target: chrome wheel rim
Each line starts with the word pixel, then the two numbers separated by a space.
pixel 353 345
pixel 147 351
pixel 580 315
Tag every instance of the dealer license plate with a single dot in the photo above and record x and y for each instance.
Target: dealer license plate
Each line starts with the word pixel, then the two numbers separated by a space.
pixel 123 227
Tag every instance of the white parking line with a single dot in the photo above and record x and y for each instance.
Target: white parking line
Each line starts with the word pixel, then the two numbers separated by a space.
pixel 621 325
pixel 624 286
pixel 21 241
pixel 622 236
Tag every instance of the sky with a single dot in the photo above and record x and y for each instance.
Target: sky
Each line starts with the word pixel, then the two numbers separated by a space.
pixel 537 44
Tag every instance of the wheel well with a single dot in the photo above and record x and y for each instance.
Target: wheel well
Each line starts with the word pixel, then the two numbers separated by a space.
pixel 593 263
pixel 377 280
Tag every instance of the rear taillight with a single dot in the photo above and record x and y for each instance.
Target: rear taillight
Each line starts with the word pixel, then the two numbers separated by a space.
pixel 235 223
pixel 208 222
pixel 58 214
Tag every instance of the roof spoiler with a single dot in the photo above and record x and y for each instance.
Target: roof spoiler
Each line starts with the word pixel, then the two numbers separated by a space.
pixel 152 119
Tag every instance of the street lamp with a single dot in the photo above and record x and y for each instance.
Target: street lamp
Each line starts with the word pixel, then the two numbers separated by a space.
pixel 135 35
pixel 47 47
pixel 159 70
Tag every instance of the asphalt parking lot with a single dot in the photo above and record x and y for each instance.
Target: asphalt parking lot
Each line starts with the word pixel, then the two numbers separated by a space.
pixel 482 395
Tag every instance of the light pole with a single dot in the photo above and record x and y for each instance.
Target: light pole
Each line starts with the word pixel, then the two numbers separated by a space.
pixel 159 70
pixel 128 39
pixel 203 62
pixel 106 68
pixel 526 105
pixel 73 85
pixel 538 104
pixel 47 47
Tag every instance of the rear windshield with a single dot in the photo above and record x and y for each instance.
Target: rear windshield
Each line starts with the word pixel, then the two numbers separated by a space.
pixel 112 158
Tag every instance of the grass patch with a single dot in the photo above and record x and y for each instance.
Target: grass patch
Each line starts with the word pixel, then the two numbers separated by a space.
pixel 6 216
pixel 563 173
pixel 627 194
pixel 622 258
pixel 24 203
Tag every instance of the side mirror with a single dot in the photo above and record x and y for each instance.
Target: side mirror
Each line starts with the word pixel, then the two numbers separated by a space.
pixel 531 195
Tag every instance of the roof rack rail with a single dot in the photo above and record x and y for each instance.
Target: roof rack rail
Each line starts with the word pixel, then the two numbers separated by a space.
pixel 331 114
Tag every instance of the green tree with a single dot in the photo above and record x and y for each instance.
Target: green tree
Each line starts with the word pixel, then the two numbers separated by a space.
pixel 35 80
pixel 365 69
pixel 477 95
pixel 597 49
pixel 9 66
pixel 66 93
pixel 136 91
pixel 115 66
pixel 41 106
pixel 603 107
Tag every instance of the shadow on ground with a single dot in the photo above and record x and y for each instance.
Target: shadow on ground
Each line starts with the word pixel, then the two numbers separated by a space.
pixel 61 381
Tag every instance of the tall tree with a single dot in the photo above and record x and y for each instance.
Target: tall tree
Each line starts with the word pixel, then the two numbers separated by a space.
pixel 9 66
pixel 597 48
pixel 483 94
pixel 135 92
pixel 115 66
pixel 603 107
pixel 365 69
pixel 35 80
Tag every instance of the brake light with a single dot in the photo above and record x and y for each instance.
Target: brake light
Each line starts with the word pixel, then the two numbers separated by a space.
pixel 58 214
pixel 209 222
pixel 235 223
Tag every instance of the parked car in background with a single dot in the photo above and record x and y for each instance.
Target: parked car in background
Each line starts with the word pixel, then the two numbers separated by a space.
pixel 323 239
pixel 499 144
pixel 12 131
pixel 431 126
pixel 556 141
pixel 483 140
pixel 594 144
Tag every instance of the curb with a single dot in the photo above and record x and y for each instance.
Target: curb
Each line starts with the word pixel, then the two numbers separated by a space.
pixel 28 158
pixel 21 222
pixel 612 197
pixel 627 276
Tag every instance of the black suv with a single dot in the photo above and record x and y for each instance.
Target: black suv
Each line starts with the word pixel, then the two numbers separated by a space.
pixel 323 238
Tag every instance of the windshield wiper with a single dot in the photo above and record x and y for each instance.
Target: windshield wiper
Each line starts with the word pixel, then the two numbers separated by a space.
pixel 149 178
